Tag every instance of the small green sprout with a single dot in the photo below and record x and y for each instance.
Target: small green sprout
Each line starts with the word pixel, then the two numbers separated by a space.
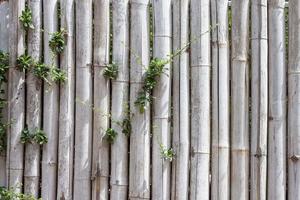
pixel 41 70
pixel 110 135
pixel 24 62
pixel 142 101
pixel 57 41
pixel 58 75
pixel 4 65
pixel 40 137
pixel 126 127
pixel 111 71
pixel 167 153
pixel 26 136
pixel 26 18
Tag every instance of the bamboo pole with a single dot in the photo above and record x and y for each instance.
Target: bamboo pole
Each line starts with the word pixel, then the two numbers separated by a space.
pixel 161 168
pixel 16 96
pixel 67 100
pixel 119 110
pixel 277 102
pixel 4 14
pixel 240 94
pixel 100 167
pixel 220 102
pixel 50 110
pixel 259 98
pixel 83 105
pixel 200 100
pixel 33 101
pixel 139 169
pixel 294 100
pixel 181 124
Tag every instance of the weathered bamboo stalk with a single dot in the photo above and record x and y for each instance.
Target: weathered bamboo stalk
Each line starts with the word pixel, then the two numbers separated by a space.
pixel 16 96
pixel 83 108
pixel 100 167
pixel 4 14
pixel 181 124
pixel 200 100
pixel 240 94
pixel 161 168
pixel 277 102
pixel 294 101
pixel 119 108
pixel 33 101
pixel 67 100
pixel 139 169
pixel 50 110
pixel 220 104
pixel 259 98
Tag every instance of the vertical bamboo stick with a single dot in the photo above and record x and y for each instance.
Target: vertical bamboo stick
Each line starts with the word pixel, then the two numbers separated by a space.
pixel 240 94
pixel 277 102
pixel 220 103
pixel 161 168
pixel 139 169
pixel 119 110
pixel 83 109
pixel 66 112
pixel 200 100
pixel 4 13
pixel 181 124
pixel 33 107
pixel 100 168
pixel 294 100
pixel 259 98
pixel 50 111
pixel 16 96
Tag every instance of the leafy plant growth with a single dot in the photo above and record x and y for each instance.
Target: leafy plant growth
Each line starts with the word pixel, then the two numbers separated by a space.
pixel 4 65
pixel 38 136
pixel 12 194
pixel 111 71
pixel 24 62
pixel 153 72
pixel 110 135
pixel 26 18
pixel 57 41
pixel 167 153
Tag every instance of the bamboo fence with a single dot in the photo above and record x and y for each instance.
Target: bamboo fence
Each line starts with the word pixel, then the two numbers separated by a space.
pixel 163 100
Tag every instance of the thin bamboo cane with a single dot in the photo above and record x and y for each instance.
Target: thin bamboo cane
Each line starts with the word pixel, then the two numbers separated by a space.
pixel 220 104
pixel 119 110
pixel 16 96
pixel 277 102
pixel 293 101
pixel 200 100
pixel 4 13
pixel 139 169
pixel 83 96
pixel 240 96
pixel 100 167
pixel 50 110
pixel 161 168
pixel 181 124
pixel 33 101
pixel 259 98
pixel 66 112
